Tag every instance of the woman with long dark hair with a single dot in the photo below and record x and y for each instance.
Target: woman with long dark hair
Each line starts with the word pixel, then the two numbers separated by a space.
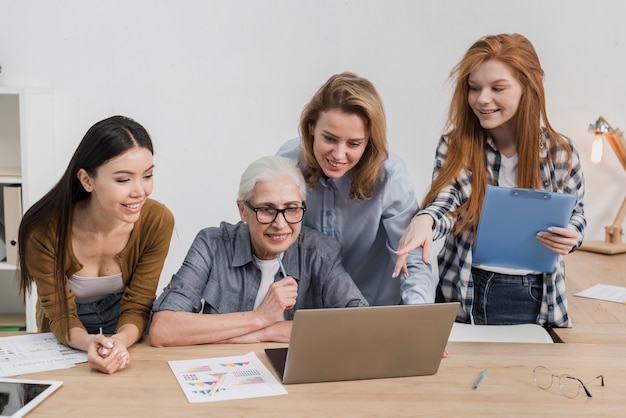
pixel 95 245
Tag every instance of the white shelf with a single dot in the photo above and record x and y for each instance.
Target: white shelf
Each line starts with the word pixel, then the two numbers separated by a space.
pixel 6 266
pixel 10 180
pixel 27 160
pixel 10 174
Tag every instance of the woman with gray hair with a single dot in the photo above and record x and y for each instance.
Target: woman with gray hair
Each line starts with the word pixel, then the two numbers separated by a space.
pixel 250 277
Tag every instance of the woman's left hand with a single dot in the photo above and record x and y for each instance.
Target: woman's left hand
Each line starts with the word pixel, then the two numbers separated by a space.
pixel 559 240
pixel 107 354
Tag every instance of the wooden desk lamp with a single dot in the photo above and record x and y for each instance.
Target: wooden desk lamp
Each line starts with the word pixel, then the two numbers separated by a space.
pixel 612 243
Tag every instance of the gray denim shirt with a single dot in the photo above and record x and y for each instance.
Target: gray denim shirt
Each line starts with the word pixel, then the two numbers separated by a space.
pixel 219 274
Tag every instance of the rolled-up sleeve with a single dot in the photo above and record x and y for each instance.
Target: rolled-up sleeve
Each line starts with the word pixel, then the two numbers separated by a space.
pixel 184 292
pixel 339 289
pixel 323 281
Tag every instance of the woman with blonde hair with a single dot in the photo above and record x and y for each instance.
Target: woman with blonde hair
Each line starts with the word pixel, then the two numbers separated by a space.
pixel 359 192
pixel 499 135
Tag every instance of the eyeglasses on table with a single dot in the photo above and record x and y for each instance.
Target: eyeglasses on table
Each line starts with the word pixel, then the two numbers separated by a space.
pixel 568 384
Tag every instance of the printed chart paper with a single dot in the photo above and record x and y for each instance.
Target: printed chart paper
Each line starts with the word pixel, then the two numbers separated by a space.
pixel 33 353
pixel 224 378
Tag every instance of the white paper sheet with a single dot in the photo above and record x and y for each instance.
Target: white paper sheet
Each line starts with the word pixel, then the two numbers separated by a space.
pixel 223 378
pixel 605 292
pixel 31 353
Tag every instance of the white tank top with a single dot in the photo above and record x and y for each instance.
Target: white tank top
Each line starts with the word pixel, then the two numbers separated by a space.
pixel 92 289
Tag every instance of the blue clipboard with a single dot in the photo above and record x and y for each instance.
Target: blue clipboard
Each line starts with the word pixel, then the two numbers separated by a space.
pixel 509 222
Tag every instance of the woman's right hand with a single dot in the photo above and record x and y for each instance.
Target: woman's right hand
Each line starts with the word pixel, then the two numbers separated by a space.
pixel 281 296
pixel 418 234
pixel 107 355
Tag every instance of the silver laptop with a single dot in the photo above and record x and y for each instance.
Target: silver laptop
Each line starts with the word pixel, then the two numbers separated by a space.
pixel 364 343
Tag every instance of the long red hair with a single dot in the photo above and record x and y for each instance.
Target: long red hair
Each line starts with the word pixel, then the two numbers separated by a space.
pixel 467 138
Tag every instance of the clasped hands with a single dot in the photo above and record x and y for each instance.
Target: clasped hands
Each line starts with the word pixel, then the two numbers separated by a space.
pixel 107 354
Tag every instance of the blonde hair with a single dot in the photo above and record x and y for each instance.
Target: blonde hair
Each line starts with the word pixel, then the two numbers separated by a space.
pixel 355 95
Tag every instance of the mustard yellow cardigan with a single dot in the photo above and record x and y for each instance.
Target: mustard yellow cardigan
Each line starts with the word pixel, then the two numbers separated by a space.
pixel 141 263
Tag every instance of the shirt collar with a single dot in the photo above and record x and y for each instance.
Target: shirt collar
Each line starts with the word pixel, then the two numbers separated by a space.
pixel 343 184
pixel 243 246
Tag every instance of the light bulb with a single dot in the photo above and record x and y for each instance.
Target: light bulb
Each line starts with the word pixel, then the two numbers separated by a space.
pixel 596 149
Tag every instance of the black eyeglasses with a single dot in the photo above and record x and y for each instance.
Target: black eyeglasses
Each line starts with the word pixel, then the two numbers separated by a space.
pixel 269 215
pixel 569 385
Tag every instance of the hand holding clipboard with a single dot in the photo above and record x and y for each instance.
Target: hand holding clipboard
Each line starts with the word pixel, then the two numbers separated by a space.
pixel 509 223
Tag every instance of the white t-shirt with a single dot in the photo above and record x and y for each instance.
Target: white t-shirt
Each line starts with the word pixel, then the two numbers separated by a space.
pixel 268 268
pixel 508 171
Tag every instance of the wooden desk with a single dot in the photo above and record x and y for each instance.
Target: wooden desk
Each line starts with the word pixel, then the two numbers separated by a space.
pixel 595 321
pixel 148 387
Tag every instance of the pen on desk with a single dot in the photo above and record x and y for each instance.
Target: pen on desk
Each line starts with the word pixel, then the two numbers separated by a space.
pixel 282 266
pixel 480 378
pixel 218 383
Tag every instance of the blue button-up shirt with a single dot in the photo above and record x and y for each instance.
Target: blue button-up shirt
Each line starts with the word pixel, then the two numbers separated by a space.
pixel 369 231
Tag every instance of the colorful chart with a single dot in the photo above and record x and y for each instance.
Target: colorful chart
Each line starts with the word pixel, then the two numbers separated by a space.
pixel 236 377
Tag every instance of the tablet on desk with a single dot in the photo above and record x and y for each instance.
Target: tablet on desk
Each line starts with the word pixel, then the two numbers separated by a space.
pixel 20 396
pixel 509 222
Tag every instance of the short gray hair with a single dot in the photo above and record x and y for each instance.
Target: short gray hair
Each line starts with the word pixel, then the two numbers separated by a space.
pixel 269 168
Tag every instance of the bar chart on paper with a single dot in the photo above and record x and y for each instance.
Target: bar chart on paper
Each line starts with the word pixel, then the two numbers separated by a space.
pixel 216 379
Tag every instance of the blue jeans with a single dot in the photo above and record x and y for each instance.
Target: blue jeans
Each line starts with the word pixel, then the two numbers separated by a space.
pixel 503 299
pixel 104 314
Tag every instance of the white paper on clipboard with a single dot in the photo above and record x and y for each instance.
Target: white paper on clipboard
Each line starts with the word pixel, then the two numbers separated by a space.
pixel 509 222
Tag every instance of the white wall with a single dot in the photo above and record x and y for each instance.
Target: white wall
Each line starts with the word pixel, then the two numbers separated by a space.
pixel 219 83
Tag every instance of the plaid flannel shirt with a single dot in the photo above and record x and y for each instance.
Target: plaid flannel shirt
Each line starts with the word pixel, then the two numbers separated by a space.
pixel 455 258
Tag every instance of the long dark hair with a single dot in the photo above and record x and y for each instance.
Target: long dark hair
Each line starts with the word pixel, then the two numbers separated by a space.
pixel 104 141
